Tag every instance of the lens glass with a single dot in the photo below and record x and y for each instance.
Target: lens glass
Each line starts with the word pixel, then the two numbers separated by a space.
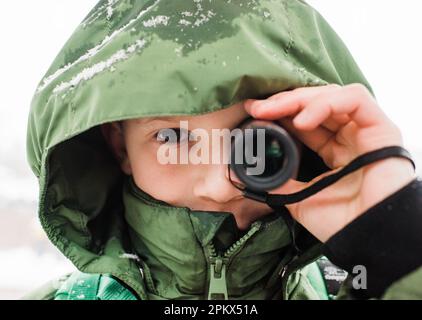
pixel 273 155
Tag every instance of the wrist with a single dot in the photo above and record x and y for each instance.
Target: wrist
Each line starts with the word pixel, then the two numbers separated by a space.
pixel 384 177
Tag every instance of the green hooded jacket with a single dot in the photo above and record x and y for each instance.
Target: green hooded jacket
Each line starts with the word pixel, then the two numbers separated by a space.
pixel 140 58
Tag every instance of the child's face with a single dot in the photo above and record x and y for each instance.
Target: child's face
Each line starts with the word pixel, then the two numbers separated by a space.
pixel 197 186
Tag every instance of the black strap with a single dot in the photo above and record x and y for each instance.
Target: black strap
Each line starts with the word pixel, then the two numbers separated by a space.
pixel 277 200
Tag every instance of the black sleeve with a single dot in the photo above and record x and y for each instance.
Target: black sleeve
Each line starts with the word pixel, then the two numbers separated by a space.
pixel 386 240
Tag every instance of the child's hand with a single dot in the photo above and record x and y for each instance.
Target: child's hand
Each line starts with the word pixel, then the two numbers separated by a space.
pixel 339 123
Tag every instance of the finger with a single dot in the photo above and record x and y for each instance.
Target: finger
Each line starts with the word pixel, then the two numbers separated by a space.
pixel 336 122
pixel 333 124
pixel 300 90
pixel 285 103
pixel 315 139
pixel 320 140
pixel 353 100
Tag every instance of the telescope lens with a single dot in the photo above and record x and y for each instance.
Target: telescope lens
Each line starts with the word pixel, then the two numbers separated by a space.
pixel 276 157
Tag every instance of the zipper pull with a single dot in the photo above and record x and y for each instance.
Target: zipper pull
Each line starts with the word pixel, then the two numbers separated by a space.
pixel 218 285
pixel 283 271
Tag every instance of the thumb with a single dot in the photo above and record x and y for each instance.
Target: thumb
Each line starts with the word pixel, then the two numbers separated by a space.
pixel 293 186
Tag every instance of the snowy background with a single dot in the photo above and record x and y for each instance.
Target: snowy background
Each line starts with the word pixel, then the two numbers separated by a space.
pixel 384 38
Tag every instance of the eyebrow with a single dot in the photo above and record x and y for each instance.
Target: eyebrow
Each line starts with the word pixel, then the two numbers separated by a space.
pixel 147 121
pixel 151 119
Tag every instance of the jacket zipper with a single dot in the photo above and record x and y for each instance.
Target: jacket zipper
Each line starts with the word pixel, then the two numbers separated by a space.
pixel 220 261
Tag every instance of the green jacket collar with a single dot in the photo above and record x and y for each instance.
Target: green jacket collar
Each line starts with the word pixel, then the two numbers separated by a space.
pixel 198 254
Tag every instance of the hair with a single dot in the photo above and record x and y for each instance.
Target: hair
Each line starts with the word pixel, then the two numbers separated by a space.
pixel 121 126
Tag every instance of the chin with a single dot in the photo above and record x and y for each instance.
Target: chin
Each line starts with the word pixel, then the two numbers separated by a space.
pixel 244 221
pixel 243 225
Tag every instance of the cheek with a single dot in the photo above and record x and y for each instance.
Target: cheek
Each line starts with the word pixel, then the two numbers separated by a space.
pixel 170 183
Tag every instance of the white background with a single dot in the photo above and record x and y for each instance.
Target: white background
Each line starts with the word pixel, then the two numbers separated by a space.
pixel 384 37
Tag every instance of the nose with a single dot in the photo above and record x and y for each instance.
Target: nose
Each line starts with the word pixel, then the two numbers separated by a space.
pixel 214 185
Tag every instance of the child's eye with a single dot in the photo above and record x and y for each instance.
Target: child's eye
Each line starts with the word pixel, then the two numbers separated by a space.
pixel 173 135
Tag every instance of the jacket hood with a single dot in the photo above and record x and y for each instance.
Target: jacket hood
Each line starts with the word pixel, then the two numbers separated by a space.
pixel 131 59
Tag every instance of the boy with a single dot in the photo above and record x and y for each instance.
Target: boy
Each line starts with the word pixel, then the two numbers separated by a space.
pixel 138 229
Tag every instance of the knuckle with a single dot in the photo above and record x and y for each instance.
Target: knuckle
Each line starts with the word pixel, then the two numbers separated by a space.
pixel 334 86
pixel 300 89
pixel 358 89
pixel 279 95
